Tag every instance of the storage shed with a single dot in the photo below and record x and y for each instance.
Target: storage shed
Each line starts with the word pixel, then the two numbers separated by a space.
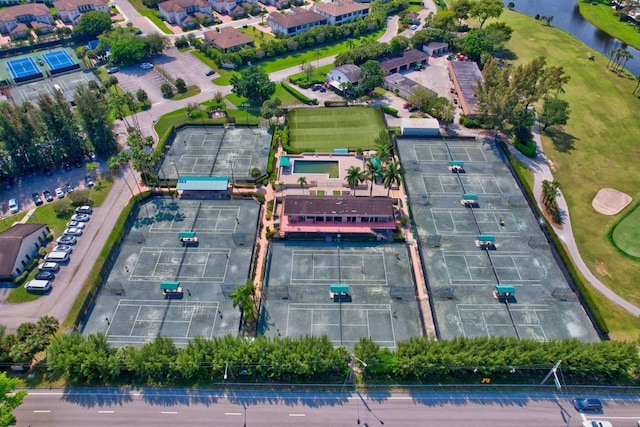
pixel 420 127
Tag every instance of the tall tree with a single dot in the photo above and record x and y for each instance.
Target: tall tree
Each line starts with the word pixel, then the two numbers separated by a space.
pixel 354 177
pixel 91 25
pixel 372 173
pixel 485 9
pixel 94 114
pixel 393 173
pixel 303 182
pixel 9 400
pixel 253 83
pixel 244 298
pixel 555 111
pixel 371 75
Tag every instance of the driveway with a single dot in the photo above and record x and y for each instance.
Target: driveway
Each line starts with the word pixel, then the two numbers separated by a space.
pixel 132 78
pixel 184 65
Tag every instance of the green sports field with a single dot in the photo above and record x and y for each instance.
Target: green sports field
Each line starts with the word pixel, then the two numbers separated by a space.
pixel 626 235
pixel 323 129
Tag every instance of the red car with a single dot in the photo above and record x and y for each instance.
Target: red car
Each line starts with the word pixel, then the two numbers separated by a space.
pixel 406 105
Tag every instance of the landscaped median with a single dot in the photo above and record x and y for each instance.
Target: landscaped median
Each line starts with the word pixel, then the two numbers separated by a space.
pixel 595 149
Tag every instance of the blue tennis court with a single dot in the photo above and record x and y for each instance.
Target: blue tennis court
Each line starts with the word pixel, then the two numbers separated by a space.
pixel 23 69
pixel 59 59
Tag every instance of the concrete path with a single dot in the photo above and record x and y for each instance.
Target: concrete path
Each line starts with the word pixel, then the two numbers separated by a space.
pixel 541 172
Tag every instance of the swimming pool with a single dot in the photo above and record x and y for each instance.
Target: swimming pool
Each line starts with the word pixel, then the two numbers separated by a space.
pixel 328 167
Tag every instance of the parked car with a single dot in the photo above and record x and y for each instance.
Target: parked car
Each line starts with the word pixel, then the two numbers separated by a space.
pixel 77 163
pixel 80 217
pixel 68 187
pixel 73 231
pixel 316 87
pixel 406 105
pixel 48 172
pixel 146 66
pixel 113 70
pixel 45 275
pixel 586 404
pixel 414 27
pixel 76 224
pixel 413 108
pixel 137 33
pixel 88 181
pixel 66 166
pixel 84 210
pixel 13 206
pixel 49 266
pixel 63 248
pixel 36 199
pixel 67 240
pixel 92 156
pixel 47 195
pixel 59 193
pixel 597 424
pixel 210 73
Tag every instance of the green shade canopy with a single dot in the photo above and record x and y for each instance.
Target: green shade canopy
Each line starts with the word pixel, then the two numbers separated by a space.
pixel 487 238
pixel 169 286
pixel 456 163
pixel 341 151
pixel 340 289
pixel 203 183
pixel 186 235
pixel 505 289
pixel 470 196
pixel 285 162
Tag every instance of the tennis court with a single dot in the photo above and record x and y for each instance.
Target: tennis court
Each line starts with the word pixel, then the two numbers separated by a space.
pixel 216 151
pixel 29 92
pixel 462 274
pixel 326 129
pixel 23 69
pixel 131 307
pixel 59 61
pixel 381 301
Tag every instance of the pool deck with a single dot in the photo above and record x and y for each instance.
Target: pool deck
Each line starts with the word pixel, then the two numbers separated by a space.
pixel 321 184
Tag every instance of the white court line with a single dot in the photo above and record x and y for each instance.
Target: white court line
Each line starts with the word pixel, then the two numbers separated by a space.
pixel 169 412
pixel 234 414
pixel 297 415
pixel 133 325
pixel 106 412
pixel 41 411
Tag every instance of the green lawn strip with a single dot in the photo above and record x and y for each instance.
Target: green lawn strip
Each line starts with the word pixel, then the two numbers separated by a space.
pixel 259 37
pixel 325 129
pixel 596 149
pixel 151 14
pixel 626 234
pixel 191 91
pixel 602 17
pixel 318 73
pixel 8 221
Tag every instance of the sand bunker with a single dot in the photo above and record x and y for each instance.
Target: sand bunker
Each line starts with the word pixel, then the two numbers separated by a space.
pixel 609 201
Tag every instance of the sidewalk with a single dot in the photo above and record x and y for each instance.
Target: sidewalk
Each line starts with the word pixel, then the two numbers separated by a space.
pixel 541 172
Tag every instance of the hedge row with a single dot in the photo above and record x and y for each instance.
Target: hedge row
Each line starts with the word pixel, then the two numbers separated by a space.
pixel 529 149
pixel 391 111
pixel 336 103
pixel 299 95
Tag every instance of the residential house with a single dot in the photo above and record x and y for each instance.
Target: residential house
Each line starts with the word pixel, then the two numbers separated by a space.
pixel 409 58
pixel 18 246
pixel 234 8
pixel 414 18
pixel 228 39
pixel 280 4
pixel 400 85
pixel 347 73
pixel 340 12
pixel 295 22
pixel 9 2
pixel 16 20
pixel 177 11
pixel 70 11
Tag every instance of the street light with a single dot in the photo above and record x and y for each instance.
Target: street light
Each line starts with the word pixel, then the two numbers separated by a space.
pixel 226 367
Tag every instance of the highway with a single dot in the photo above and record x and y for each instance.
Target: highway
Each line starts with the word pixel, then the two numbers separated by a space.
pixel 100 407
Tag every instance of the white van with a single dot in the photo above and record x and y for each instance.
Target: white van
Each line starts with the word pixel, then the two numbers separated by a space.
pixel 57 257
pixel 38 286
pixel 13 206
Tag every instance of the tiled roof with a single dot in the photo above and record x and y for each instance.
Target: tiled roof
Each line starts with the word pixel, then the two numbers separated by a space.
pixel 227 37
pixel 296 17
pixel 408 56
pixel 340 7
pixel 12 12
pixel 351 71
pixel 180 5
pixel 75 4
pixel 336 205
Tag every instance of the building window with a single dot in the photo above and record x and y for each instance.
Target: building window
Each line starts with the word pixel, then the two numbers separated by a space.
pixel 319 219
pixel 24 264
pixel 28 257
pixel 364 219
pixel 18 270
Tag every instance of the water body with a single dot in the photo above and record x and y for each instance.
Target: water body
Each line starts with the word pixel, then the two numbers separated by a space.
pixel 566 16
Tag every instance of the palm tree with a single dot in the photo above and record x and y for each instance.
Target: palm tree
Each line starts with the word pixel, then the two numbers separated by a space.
pixel 244 299
pixel 372 172
pixel 383 145
pixel 392 176
pixel 303 182
pixel 350 44
pixel 637 84
pixel 354 177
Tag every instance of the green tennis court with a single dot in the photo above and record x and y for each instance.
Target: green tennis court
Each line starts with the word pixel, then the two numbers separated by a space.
pixel 626 235
pixel 325 129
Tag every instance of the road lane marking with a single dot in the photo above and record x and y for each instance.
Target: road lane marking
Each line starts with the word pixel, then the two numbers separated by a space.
pixel 169 412
pixel 41 412
pixel 106 412
pixel 297 415
pixel 233 413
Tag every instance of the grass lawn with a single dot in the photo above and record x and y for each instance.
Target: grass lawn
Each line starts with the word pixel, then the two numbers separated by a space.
pixel 191 91
pixel 597 148
pixel 151 14
pixel 601 16
pixel 259 37
pixel 8 221
pixel 626 235
pixel 325 129
pixel 285 97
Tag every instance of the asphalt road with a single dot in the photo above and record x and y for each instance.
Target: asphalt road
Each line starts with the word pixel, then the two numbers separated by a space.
pixel 157 408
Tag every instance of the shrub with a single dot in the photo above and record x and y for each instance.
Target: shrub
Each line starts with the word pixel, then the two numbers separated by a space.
pixel 335 103
pixel 42 251
pixel 62 208
pixel 255 172
pixel 298 95
pixel 80 198
pixel 528 148
pixel 391 111
pixel 470 123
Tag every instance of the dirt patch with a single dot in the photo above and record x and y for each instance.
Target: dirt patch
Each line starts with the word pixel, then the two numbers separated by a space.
pixel 609 201
pixel 602 269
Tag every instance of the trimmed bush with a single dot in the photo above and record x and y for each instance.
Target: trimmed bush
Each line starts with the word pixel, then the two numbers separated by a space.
pixel 391 111
pixel 470 123
pixel 298 95
pixel 528 148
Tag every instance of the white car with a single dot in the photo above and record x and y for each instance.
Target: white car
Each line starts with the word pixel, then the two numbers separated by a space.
pixel 13 206
pixel 59 193
pixel 596 424
pixel 146 66
pixel 73 231
pixel 63 248
pixel 76 224
pixel 80 218
pixel 414 27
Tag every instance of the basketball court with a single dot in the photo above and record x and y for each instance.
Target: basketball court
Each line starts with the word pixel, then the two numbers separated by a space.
pixel 463 275
pixel 216 151
pixel 131 307
pixel 380 304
